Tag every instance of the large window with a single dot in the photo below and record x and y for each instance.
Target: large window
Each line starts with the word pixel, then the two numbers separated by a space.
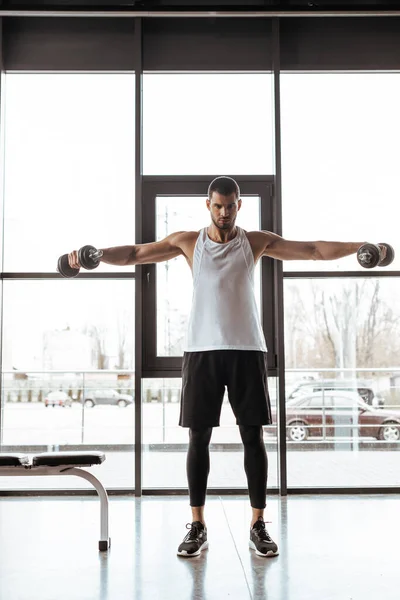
pixel 68 325
pixel 196 124
pixel 68 365
pixel 342 323
pixel 340 146
pixel 342 382
pixel 67 345
pixel 69 166
pixel 340 136
pixel 68 375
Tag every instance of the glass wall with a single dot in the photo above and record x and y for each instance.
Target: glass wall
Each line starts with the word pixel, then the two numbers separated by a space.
pixel 340 140
pixel 198 124
pixel 68 345
pixel 69 166
pixel 68 379
pixel 342 382
pixel 69 177
pixel 340 182
pixel 207 123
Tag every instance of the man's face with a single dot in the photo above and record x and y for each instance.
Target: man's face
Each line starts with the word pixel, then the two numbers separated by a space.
pixel 223 210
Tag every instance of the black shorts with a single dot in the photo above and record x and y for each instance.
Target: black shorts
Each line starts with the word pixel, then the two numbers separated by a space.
pixel 204 377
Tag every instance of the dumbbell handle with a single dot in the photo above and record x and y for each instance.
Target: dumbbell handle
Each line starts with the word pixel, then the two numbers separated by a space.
pixel 364 255
pixel 367 254
pixel 96 254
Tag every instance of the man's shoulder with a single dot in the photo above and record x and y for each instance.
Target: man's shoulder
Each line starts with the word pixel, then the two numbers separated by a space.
pixel 256 236
pixel 258 241
pixel 186 235
pixel 256 233
pixel 185 239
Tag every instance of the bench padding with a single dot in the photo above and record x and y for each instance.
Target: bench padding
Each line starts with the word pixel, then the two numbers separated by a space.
pixel 59 459
pixel 14 460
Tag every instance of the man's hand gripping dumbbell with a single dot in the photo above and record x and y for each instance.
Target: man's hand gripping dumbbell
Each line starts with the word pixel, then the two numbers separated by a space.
pixel 87 257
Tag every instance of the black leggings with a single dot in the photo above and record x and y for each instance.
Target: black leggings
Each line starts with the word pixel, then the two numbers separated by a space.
pixel 255 464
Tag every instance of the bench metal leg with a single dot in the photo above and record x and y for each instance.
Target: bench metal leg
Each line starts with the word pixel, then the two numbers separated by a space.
pixel 105 541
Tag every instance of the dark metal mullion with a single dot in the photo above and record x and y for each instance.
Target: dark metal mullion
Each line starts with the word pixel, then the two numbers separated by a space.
pixel 138 239
pixel 175 372
pixel 370 491
pixel 200 13
pixel 122 275
pixel 267 268
pixel 274 490
pixel 278 267
pixel 171 179
pixel 149 279
pixel 371 273
pixel 211 491
pixel 2 224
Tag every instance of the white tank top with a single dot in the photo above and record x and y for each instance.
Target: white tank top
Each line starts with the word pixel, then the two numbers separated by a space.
pixel 224 313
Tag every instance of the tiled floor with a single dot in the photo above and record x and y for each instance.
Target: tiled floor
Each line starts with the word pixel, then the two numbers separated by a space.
pixel 331 548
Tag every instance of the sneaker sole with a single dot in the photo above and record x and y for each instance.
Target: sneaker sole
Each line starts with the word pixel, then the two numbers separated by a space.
pixel 269 553
pixel 197 553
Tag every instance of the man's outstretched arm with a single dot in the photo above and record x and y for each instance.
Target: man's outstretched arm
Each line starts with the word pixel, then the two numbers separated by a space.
pixel 282 249
pixel 140 254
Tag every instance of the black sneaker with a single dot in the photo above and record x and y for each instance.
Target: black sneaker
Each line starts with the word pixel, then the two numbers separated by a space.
pixel 261 541
pixel 195 541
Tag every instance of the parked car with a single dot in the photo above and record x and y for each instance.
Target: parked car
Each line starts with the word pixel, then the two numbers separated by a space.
pixel 338 414
pixel 363 388
pixel 99 397
pixel 57 399
pixel 391 395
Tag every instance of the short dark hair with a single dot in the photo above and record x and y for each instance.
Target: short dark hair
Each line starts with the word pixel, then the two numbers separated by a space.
pixel 225 186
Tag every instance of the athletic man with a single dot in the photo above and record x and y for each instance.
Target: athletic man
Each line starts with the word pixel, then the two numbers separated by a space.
pixel 225 344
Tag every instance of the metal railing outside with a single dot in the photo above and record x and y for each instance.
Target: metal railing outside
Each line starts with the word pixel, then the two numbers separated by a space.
pixel 160 397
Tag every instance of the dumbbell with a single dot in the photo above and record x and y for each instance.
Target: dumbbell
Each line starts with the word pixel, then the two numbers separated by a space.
pixel 370 255
pixel 88 256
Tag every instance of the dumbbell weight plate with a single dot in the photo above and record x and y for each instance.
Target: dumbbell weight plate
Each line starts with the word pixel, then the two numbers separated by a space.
pixel 64 269
pixel 368 256
pixel 389 256
pixel 85 260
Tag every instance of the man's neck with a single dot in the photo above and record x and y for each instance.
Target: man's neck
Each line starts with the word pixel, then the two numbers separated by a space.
pixel 221 236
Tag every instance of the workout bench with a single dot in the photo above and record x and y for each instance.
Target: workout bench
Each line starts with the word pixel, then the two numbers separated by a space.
pixel 62 463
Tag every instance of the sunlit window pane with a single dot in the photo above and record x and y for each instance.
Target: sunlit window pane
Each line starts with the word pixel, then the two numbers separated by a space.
pixel 68 376
pixel 66 325
pixel 69 166
pixel 340 148
pixel 207 123
pixel 342 382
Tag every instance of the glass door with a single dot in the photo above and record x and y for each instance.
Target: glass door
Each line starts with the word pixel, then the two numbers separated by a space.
pixel 180 205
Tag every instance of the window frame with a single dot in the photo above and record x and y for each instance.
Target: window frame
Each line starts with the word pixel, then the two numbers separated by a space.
pixel 153 186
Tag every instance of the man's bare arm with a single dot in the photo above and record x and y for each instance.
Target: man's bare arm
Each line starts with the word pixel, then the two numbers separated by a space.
pixel 282 249
pixel 140 254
